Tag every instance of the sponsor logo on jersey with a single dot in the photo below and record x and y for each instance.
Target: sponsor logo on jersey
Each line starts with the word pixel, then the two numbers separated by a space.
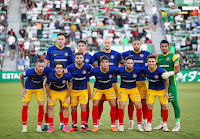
pixel 134 75
pixel 55 54
pixel 110 76
pixel 84 71
pixel 167 58
pixel 112 57
pixel 164 66
pixel 87 60
pixel 156 76
pixel 64 81
pixel 66 54
pixel 141 55
pixel 139 61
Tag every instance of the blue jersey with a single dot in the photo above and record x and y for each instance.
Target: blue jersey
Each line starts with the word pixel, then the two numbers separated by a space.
pixel 34 79
pixel 155 80
pixel 87 59
pixel 114 56
pixel 139 60
pixel 103 79
pixel 79 75
pixel 128 78
pixel 58 83
pixel 55 54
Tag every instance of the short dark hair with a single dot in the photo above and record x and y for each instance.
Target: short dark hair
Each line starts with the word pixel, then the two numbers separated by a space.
pixel 151 56
pixel 136 39
pixel 129 57
pixel 164 41
pixel 58 63
pixel 104 58
pixel 81 41
pixel 61 34
pixel 78 53
pixel 40 60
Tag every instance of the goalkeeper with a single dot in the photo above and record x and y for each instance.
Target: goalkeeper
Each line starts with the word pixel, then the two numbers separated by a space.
pixel 170 63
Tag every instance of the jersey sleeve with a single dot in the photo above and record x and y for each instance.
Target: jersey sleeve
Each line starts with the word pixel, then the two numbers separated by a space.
pixel 26 73
pixel 117 72
pixel 124 54
pixel 175 60
pixel 92 72
pixel 91 60
pixel 119 57
pixel 48 55
pixel 113 69
pixel 69 77
pixel 95 57
pixel 48 79
pixel 69 68
pixel 162 71
pixel 89 68
pixel 49 69
pixel 70 51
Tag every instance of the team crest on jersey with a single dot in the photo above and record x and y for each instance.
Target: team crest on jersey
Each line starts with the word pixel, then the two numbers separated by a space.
pixel 110 76
pixel 84 71
pixel 64 81
pixel 87 60
pixel 167 58
pixel 141 55
pixel 134 75
pixel 66 54
pixel 112 57
pixel 156 76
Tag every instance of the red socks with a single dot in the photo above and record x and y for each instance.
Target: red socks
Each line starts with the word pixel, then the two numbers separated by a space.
pixel 40 114
pixel 121 116
pixel 117 116
pixel 46 117
pixel 74 117
pixel 113 114
pixel 139 115
pixel 165 115
pixel 65 121
pixel 149 115
pixel 24 114
pixel 130 111
pixel 100 110
pixel 144 110
pixel 88 113
pixel 95 114
pixel 61 117
pixel 83 117
pixel 50 121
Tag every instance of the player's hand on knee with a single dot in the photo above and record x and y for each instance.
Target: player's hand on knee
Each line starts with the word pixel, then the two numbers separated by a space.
pixel 67 101
pixel 23 91
pixel 165 75
pixel 166 94
pixel 50 100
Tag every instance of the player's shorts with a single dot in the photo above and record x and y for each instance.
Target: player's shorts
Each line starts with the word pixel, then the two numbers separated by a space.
pixel 172 92
pixel 89 91
pixel 109 93
pixel 39 94
pixel 133 94
pixel 59 95
pixel 78 95
pixel 116 89
pixel 142 88
pixel 151 96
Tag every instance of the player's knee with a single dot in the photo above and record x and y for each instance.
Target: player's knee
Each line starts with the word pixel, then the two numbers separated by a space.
pixel 95 102
pixel 74 108
pixel 40 102
pixel 143 101
pixel 137 105
pixel 164 106
pixel 83 107
pixel 50 108
pixel 25 103
pixel 122 105
pixel 150 106
pixel 66 108
pixel 112 102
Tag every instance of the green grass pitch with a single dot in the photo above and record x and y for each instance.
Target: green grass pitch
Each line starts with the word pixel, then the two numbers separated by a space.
pixel 11 125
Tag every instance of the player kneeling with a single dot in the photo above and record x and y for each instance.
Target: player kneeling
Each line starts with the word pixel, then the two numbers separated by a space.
pixel 158 86
pixel 79 71
pixel 128 88
pixel 58 90
pixel 103 85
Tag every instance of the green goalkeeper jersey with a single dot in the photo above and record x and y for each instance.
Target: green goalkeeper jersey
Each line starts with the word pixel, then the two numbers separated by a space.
pixel 168 62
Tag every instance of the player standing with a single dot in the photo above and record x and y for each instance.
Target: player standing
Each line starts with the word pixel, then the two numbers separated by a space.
pixel 81 46
pixel 170 63
pixel 139 57
pixel 103 85
pixel 114 59
pixel 158 86
pixel 79 71
pixel 56 88
pixel 57 53
pixel 34 84
pixel 128 88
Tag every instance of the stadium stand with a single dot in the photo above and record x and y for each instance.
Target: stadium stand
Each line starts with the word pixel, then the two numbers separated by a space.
pixel 43 19
pixel 183 33
pixel 3 29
